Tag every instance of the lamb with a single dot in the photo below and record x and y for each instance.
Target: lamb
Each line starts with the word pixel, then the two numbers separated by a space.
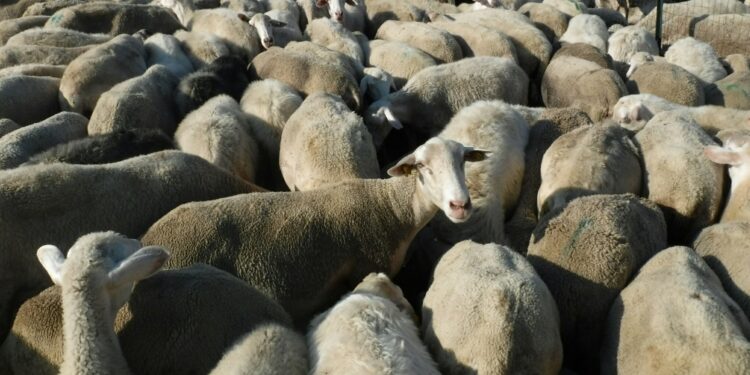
pixel 495 183
pixel 589 29
pixel 269 104
pixel 586 253
pixel 20 145
pixel 505 308
pixel 736 154
pixel 97 70
pixel 174 306
pixel 545 128
pixel 165 50
pixel 115 18
pixel 24 54
pixel 218 131
pixel 7 125
pixel 388 214
pixel 155 183
pixel 64 38
pixel 371 330
pixel 96 279
pixel 439 44
pixel 225 75
pixel 674 317
pixel 571 81
pixel 478 40
pixel 697 58
pixel 434 95
pixel 324 143
pixel 306 73
pixel 334 36
pixel 11 27
pixel 240 36
pixel 400 60
pixel 626 42
pixel 682 88
pixel 28 99
pixel 41 70
pixel 105 148
pixel 202 48
pixel 592 159
pixel 673 139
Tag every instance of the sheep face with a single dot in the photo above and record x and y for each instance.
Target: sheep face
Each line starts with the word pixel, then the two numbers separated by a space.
pixel 264 25
pixel 735 153
pixel 376 84
pixel 102 260
pixel 335 8
pixel 631 113
pixel 439 164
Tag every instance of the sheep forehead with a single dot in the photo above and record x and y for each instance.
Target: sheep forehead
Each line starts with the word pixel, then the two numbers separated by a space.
pixel 101 249
pixel 438 150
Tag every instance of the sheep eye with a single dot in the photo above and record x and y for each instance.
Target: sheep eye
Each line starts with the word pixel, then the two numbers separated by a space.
pixel 419 165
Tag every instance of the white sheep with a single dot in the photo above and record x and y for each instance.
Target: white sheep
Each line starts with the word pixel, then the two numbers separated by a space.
pixel 588 29
pixel 593 159
pixel 324 142
pixel 202 48
pixel 340 234
pixel 398 59
pixel 439 44
pixel 271 349
pixel 629 40
pixel 28 99
pixel 735 153
pixel 495 183
pixel 232 27
pixel 572 8
pixel 165 50
pixel 57 38
pixel 696 57
pixel 183 9
pixel 97 278
pixel 20 145
pixel 43 70
pixel 371 330
pixel 348 12
pixel 375 85
pixel 11 55
pixel 334 36
pixel 219 132
pixel 504 309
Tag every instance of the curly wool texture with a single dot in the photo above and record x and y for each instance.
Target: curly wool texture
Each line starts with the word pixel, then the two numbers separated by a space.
pixel 674 317
pixel 586 253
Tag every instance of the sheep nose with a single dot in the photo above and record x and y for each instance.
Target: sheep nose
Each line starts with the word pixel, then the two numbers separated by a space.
pixel 338 15
pixel 460 209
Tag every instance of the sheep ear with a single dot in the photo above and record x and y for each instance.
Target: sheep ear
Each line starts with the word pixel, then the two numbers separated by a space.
pixel 720 155
pixel 52 260
pixel 321 3
pixel 631 70
pixel 140 265
pixel 404 167
pixel 391 118
pixel 243 17
pixel 351 2
pixel 472 155
pixel 276 23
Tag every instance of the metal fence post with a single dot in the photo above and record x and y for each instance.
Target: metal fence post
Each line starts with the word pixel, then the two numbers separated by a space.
pixel 659 14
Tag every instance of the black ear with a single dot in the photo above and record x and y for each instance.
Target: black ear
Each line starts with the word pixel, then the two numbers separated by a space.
pixel 475 155
pixel 321 3
pixel 243 17
pixel 351 2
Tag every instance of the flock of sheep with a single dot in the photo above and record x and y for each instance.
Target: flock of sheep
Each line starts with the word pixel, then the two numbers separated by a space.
pixel 558 199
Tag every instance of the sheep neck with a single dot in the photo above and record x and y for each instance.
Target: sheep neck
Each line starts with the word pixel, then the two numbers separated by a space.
pixel 91 346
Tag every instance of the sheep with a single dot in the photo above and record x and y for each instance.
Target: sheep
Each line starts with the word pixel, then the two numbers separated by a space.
pixel 264 25
pixel 41 70
pixel 545 128
pixel 495 183
pixel 28 99
pixel 592 159
pixel 640 58
pixel 337 10
pixel 626 42
pixel 334 36
pixel 674 317
pixel 25 54
pixel 49 7
pixel 572 81
pixel 225 75
pixel 286 13
pixel 400 60
pixel 505 308
pixel 97 70
pixel 586 253
pixel 478 40
pixel 375 85
pixel 165 50
pixel 324 143
pixel 245 6
pixel 546 18
pixel 689 190
pixel 155 184
pixel 712 29
pixel 434 95
pixel 240 36
pixel 218 131
pixel 736 62
pixel 318 224
pixel 11 27
pixel 182 9
pixel 697 58
pixel 96 279
pixel 734 153
pixel 380 11
pixel 20 145
pixel 115 18
pixel 145 101
pixel 371 330
pixel 7 125
pixel 57 38
pixel 682 87
pixel 158 327
pixel 439 44
pixel 586 52
pixel 269 104
pixel 202 48
pixel 612 18
pixel 105 148
pixel 733 91
pixel 307 73
pixel 589 29
pixel 328 56
pixel 571 8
